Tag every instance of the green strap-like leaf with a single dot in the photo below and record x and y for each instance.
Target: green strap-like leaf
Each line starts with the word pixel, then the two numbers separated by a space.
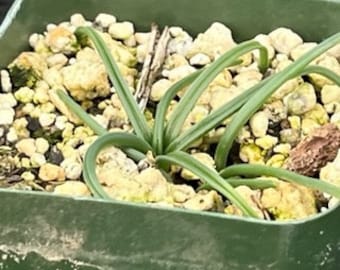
pixel 130 105
pixel 195 90
pixel 259 98
pixel 118 139
pixel 163 106
pixel 210 176
pixel 82 115
pixel 253 183
pixel 251 170
pixel 327 73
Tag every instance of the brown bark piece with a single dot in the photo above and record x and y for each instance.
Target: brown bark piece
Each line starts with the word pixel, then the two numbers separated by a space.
pixel 313 152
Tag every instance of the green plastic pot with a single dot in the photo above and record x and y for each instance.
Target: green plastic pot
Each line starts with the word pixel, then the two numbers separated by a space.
pixel 44 231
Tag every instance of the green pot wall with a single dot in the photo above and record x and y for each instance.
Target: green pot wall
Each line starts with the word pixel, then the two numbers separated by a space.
pixel 56 232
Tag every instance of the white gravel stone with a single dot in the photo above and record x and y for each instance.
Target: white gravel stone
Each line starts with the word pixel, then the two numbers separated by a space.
pixel 159 89
pixel 77 20
pixel 50 27
pixel 102 120
pixel 51 172
pixel 121 30
pixel 12 135
pixel 27 176
pixel 46 119
pixel 200 59
pixel 58 60
pixel 60 122
pixel 72 168
pixel 37 160
pixel 26 146
pixel 178 73
pixel 142 38
pixel 7 101
pixel 284 40
pixel 33 39
pixel 72 188
pixel 5 80
pixel 105 20
pixel 259 123
pixel 6 116
pixel 41 145
pixel 24 95
pixel 131 41
pixel 330 93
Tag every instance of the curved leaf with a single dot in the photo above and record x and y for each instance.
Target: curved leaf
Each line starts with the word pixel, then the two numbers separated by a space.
pixel 119 139
pixel 162 107
pixel 210 176
pixel 251 170
pixel 130 105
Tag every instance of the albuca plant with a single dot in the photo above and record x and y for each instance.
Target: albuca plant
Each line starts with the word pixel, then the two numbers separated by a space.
pixel 168 144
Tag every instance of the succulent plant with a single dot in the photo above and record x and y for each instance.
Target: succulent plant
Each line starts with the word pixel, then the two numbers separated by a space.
pixel 167 143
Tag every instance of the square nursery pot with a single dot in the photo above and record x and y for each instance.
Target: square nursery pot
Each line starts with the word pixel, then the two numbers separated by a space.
pixel 44 231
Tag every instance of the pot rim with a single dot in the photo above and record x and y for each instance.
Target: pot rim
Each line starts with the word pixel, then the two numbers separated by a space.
pixel 248 220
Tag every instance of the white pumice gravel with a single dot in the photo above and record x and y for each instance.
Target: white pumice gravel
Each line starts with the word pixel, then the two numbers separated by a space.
pixel 26 146
pixel 105 20
pixel 199 59
pixel 51 172
pixel 259 124
pixel 7 116
pixel 41 145
pixel 27 176
pixel 121 30
pixel 73 169
pixel 11 135
pixel 46 119
pixel 24 95
pixel 72 188
pixel 77 20
pixel 37 160
pixel 284 40
pixel 5 80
